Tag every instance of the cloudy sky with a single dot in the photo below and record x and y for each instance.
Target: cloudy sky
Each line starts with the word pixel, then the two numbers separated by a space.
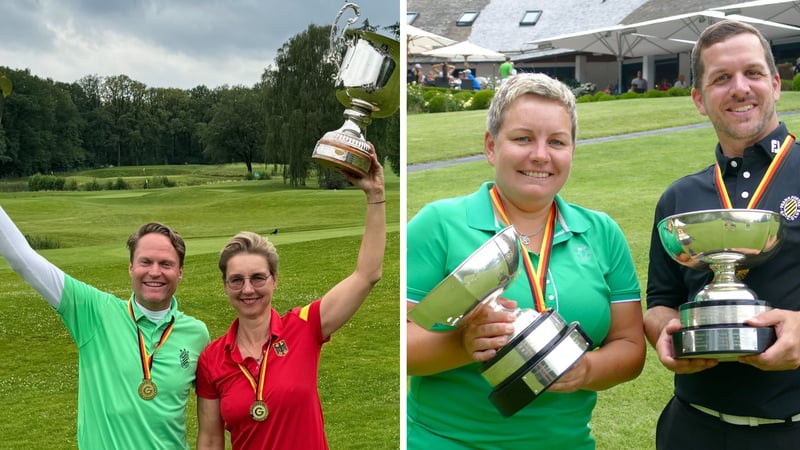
pixel 164 43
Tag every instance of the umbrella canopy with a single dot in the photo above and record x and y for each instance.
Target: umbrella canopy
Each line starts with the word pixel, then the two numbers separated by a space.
pixel 466 50
pixel 779 11
pixel 621 41
pixel 689 26
pixel 420 41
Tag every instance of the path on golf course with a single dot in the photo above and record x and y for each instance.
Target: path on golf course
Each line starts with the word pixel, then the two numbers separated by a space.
pixel 465 159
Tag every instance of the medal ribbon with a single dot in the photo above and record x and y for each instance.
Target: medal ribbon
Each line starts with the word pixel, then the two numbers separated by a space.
pixel 147 360
pixel 537 277
pixel 762 186
pixel 262 374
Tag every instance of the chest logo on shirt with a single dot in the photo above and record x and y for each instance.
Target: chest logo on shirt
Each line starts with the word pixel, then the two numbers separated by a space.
pixel 775 146
pixel 281 349
pixel 184 358
pixel 789 207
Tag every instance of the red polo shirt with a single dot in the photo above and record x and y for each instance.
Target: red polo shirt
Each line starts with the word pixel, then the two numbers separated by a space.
pixel 290 393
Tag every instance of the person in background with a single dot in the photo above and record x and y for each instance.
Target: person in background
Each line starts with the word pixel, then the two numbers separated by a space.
pixel 530 142
pixel 505 68
pixel 136 357
pixel 753 402
pixel 639 84
pixel 259 380
pixel 681 82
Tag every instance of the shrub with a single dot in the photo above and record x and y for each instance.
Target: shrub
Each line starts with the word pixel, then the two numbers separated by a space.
pixel 482 99
pixel 653 93
pixel 72 185
pixel 678 92
pixel 627 95
pixel 39 182
pixel 796 82
pixel 92 186
pixel 603 97
pixel 42 242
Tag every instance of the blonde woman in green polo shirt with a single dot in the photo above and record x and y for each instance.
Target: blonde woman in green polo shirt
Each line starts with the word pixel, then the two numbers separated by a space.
pixel 590 278
pixel 137 356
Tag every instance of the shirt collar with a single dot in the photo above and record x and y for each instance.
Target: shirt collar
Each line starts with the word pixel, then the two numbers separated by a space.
pixel 275 329
pixel 480 214
pixel 766 148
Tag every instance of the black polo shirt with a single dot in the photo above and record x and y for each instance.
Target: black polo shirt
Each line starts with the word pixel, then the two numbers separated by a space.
pixel 732 387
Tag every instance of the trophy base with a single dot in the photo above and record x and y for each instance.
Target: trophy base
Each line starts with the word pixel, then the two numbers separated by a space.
pixel 342 152
pixel 722 342
pixel 534 366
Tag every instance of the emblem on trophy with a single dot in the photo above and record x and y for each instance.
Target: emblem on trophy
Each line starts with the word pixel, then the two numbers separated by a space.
pixel 542 347
pixel 725 241
pixel 367 84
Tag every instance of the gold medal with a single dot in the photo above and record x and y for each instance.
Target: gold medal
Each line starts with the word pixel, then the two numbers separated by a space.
pixel 259 411
pixel 148 389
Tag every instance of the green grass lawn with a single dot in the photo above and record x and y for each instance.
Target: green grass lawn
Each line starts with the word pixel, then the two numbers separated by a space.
pixel 318 239
pixel 443 136
pixel 623 178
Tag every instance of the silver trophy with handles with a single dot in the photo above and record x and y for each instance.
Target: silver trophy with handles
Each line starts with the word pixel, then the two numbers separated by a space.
pixel 367 83
pixel 542 347
pixel 725 241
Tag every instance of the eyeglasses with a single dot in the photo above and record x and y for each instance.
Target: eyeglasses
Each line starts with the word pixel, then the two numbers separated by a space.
pixel 257 281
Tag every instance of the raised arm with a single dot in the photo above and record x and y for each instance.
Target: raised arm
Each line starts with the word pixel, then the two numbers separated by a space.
pixel 44 277
pixel 344 299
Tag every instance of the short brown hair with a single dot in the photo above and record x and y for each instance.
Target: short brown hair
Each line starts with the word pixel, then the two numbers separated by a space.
pixel 719 32
pixel 248 242
pixel 158 228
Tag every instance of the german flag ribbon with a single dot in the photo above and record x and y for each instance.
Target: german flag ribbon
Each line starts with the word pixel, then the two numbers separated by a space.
pixel 258 387
pixel 145 359
pixel 783 152
pixel 537 277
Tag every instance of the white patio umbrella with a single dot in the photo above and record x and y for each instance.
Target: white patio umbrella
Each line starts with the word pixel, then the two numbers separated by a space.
pixel 779 11
pixel 689 26
pixel 420 41
pixel 466 50
pixel 621 41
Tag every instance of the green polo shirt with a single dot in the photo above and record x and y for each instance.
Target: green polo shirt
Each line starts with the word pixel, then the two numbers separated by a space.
pixel 110 412
pixel 590 268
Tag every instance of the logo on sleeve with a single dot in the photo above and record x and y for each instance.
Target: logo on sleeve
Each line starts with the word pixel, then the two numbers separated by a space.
pixel 789 207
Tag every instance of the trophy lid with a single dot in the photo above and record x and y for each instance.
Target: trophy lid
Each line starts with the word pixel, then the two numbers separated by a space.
pixel 698 239
pixel 482 276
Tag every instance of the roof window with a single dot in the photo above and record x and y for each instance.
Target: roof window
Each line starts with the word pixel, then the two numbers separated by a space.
pixel 467 18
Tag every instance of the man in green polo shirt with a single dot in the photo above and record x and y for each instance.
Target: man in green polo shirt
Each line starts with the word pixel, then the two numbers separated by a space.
pixel 137 357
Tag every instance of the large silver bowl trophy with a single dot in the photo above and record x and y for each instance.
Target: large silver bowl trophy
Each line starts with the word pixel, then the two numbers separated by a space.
pixel 724 240
pixel 542 347
pixel 367 83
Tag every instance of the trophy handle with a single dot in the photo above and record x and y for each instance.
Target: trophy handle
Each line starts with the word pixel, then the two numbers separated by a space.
pixel 336 38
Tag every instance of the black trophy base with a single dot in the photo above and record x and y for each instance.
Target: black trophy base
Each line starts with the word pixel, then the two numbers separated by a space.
pixel 723 342
pixel 541 371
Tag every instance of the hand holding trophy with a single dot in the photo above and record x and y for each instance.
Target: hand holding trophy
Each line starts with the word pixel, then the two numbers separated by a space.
pixel 542 347
pixel 723 240
pixel 367 83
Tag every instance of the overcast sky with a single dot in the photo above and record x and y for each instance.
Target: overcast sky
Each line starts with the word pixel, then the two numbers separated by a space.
pixel 164 43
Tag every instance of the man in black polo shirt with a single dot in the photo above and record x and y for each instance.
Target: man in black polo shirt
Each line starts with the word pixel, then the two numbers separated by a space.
pixel 755 402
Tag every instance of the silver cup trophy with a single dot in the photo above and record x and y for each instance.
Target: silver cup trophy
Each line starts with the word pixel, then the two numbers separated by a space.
pixel 542 347
pixel 368 85
pixel 724 240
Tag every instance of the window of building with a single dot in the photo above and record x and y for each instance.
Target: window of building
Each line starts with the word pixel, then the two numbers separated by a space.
pixel 467 18
pixel 411 17
pixel 530 18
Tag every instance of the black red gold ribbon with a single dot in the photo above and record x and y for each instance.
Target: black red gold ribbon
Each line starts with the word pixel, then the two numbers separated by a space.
pixel 765 181
pixel 537 277
pixel 148 390
pixel 258 411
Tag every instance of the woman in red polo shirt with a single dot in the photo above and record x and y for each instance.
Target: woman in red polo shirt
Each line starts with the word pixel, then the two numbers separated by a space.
pixel 259 380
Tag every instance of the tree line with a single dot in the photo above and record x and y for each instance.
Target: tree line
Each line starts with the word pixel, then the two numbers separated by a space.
pixel 51 126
